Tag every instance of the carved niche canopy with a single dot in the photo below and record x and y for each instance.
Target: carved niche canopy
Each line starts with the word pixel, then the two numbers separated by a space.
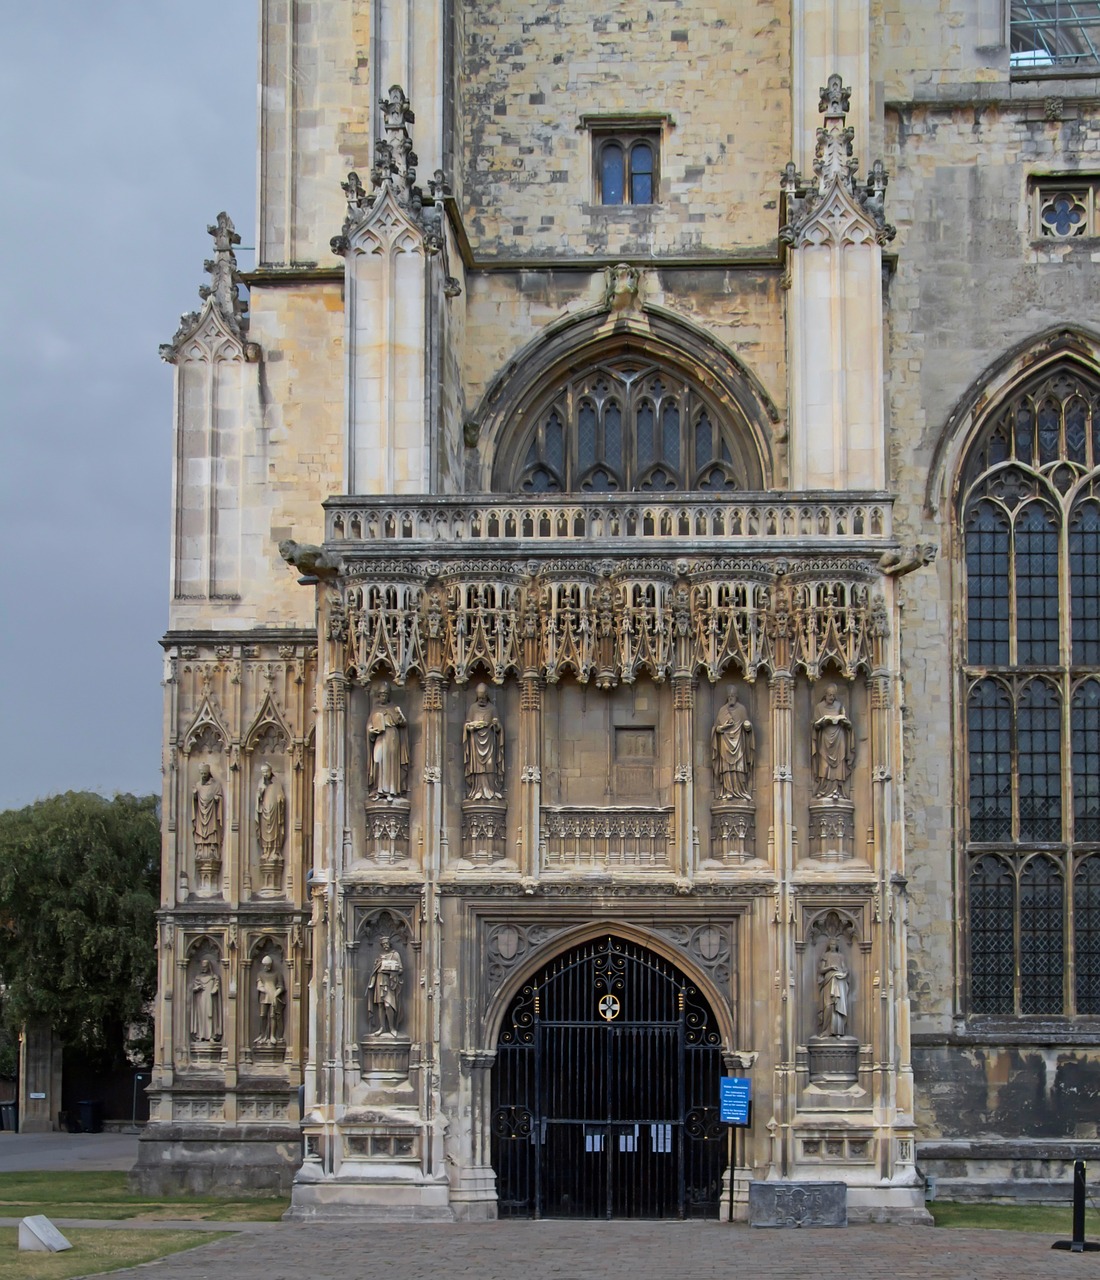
pixel 638 621
pixel 835 208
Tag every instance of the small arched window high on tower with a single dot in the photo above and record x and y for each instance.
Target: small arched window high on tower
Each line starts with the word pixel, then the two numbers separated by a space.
pixel 625 424
pixel 626 167
pixel 1029 509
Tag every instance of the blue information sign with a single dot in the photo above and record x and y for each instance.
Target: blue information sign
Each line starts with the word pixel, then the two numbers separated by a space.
pixel 735 1096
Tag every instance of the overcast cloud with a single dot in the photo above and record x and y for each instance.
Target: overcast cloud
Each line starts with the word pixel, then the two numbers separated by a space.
pixel 126 126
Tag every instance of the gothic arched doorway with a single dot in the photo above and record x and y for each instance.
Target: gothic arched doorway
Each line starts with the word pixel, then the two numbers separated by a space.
pixel 605 1091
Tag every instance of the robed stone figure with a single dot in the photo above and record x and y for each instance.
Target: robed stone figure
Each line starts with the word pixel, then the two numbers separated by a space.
pixel 833 987
pixel 206 1005
pixel 206 812
pixel 387 748
pixel 270 815
pixel 483 749
pixel 384 988
pixel 833 747
pixel 732 751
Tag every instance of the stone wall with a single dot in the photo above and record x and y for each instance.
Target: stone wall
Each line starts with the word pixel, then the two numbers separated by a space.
pixel 718 73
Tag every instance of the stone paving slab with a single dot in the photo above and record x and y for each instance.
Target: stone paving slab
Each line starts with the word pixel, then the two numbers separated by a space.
pixel 77 1152
pixel 617 1251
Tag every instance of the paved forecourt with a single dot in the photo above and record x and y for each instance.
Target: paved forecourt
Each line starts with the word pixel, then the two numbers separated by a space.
pixel 629 1250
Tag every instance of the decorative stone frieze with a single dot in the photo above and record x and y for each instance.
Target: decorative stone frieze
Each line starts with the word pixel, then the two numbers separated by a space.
pixel 637 623
pixel 636 838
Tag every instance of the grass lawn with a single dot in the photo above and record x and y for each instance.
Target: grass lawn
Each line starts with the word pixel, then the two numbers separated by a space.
pixel 94 1252
pixel 1011 1217
pixel 105 1195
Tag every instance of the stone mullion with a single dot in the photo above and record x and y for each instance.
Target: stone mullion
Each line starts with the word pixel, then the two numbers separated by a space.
pixel 235 1016
pixel 683 714
pixel 234 868
pixel 164 1031
pixel 782 716
pixel 881 1027
pixel 180 1046
pixel 530 763
pixel 477 1182
pixel 432 924
pixel 530 773
pixel 328 992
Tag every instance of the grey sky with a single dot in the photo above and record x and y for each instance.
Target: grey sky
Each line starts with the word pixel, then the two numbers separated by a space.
pixel 126 126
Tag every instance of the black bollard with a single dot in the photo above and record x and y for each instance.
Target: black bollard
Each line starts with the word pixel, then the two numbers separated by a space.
pixel 1077 1244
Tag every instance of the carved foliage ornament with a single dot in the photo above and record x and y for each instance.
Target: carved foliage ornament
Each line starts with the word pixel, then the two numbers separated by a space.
pixel 224 305
pixel 395 204
pixel 834 207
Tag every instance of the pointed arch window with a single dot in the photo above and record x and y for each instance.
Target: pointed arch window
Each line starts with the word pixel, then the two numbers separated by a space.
pixel 1030 517
pixel 626 425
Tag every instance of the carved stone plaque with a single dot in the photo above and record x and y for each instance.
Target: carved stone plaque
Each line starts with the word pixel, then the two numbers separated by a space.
pixel 798 1204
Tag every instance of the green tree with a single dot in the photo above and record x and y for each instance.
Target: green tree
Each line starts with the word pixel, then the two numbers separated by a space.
pixel 79 883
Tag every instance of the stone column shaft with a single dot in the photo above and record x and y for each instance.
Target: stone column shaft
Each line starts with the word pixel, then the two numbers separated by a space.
pixel 531 773
pixel 783 835
pixel 683 713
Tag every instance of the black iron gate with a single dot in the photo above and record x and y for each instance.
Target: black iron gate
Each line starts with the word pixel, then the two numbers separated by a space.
pixel 605 1091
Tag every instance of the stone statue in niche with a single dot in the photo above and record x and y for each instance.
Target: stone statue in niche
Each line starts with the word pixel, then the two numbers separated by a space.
pixel 384 988
pixel 207 825
pixel 833 990
pixel 272 997
pixel 206 813
pixel 483 749
pixel 732 749
pixel 387 748
pixel 206 1005
pixel 833 747
pixel 270 825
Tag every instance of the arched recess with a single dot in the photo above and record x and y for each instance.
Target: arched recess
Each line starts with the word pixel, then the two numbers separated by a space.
pixel 715 382
pixel 539 958
pixel 993 386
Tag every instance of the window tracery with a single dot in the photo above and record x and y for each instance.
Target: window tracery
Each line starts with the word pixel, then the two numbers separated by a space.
pixel 625 425
pixel 1030 513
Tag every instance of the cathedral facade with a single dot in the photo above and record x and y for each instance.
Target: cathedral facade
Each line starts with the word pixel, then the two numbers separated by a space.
pixel 635 615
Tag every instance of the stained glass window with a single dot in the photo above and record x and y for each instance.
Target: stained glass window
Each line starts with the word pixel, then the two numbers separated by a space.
pixel 1042 944
pixel 1030 505
pixel 626 166
pixel 992 907
pixel 623 425
pixel 1086 922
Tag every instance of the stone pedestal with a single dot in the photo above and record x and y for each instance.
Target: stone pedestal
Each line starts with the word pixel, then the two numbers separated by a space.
pixel 833 1059
pixel 733 831
pixel 208 870
pixel 271 876
pixel 384 1058
pixel 832 826
pixel 206 1054
pixel 268 1055
pixel 387 832
pixel 484 825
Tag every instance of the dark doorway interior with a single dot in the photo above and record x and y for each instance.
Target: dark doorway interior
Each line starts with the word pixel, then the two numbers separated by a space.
pixel 605 1091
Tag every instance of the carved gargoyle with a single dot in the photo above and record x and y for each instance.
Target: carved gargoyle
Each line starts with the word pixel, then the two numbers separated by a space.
pixel 310 560
pixel 898 563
